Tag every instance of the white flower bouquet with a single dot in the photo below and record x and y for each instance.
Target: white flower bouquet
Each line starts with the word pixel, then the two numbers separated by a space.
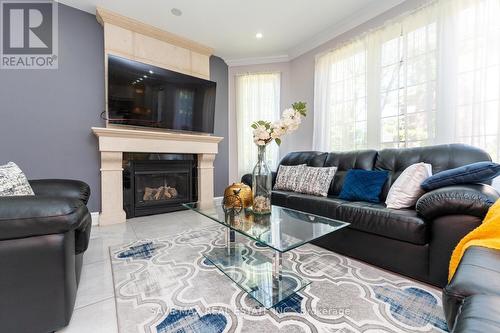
pixel 264 132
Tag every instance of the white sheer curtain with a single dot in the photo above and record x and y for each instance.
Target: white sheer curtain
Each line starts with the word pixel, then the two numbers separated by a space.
pixel 469 69
pixel 432 76
pixel 257 98
pixel 340 88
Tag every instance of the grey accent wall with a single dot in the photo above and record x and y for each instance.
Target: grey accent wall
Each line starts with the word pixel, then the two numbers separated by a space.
pixel 46 115
pixel 219 74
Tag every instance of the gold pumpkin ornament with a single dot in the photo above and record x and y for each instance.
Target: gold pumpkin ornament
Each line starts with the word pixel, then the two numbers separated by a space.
pixel 236 192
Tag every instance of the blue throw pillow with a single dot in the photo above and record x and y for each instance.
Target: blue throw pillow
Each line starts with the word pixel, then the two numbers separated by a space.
pixel 363 185
pixel 479 172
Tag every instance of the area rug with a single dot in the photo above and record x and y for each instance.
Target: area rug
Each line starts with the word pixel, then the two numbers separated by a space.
pixel 166 285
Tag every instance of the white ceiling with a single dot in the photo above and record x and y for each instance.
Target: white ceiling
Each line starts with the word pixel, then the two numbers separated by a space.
pixel 289 27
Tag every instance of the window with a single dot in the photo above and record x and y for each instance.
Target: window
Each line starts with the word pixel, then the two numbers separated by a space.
pixel 478 76
pixel 408 79
pixel 340 88
pixel 348 102
pixel 432 76
pixel 257 97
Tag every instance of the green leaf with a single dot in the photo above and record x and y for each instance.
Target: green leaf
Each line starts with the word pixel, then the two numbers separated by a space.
pixel 261 122
pixel 300 107
pixel 278 141
pixel 254 126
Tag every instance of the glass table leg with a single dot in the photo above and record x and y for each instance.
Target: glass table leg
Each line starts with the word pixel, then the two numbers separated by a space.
pixel 278 266
pixel 277 273
pixel 230 241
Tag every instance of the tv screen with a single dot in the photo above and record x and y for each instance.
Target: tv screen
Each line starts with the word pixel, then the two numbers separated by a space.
pixel 145 95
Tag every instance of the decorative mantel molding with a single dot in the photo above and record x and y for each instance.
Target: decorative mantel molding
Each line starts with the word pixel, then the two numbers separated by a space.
pixel 113 142
pixel 105 16
pixel 135 40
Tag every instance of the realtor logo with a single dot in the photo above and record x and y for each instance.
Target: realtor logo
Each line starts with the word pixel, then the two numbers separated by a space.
pixel 29 36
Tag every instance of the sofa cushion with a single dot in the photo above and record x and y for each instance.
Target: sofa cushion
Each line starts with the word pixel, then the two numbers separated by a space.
pixel 311 158
pixel 479 172
pixel 324 206
pixel 363 185
pixel 479 314
pixel 13 181
pixel 316 180
pixel 441 157
pixel 345 161
pixel 400 224
pixel 279 198
pixel 406 190
pixel 289 177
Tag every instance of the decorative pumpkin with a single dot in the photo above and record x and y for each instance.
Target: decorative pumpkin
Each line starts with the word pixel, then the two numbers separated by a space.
pixel 237 195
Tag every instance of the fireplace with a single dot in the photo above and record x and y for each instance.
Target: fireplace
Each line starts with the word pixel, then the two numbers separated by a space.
pixel 157 183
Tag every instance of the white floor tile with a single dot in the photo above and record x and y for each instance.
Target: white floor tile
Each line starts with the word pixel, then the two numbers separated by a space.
pixel 104 237
pixel 158 226
pixel 96 284
pixel 96 318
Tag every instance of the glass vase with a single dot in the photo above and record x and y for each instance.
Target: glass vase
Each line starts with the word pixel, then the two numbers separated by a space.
pixel 262 182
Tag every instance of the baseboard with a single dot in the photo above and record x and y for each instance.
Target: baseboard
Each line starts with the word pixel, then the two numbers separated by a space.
pixel 95 218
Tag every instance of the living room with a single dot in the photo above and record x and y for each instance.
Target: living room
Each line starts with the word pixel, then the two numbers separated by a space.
pixel 264 166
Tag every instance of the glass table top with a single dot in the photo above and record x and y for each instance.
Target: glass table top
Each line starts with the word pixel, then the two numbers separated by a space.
pixel 283 230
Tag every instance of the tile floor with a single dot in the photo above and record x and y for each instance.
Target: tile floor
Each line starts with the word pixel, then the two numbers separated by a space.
pixel 95 305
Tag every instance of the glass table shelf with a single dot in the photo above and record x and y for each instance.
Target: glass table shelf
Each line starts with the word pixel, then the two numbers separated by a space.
pixel 253 272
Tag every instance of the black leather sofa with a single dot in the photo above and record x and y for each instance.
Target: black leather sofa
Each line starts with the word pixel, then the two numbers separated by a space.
pixel 471 300
pixel 415 242
pixel 42 240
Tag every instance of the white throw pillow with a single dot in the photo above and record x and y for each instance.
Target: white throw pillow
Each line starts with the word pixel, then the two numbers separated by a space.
pixel 316 180
pixel 406 190
pixel 13 182
pixel 288 177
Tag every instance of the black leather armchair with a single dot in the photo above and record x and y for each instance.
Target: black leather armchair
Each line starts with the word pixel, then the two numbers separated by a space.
pixel 471 301
pixel 42 240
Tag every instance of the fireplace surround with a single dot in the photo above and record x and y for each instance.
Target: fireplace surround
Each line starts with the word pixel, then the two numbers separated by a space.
pixel 114 142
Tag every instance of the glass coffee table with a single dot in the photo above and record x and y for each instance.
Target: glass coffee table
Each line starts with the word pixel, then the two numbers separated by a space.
pixel 266 278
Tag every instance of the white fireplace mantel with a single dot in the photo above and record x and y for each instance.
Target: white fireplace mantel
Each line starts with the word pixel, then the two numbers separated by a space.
pixel 113 142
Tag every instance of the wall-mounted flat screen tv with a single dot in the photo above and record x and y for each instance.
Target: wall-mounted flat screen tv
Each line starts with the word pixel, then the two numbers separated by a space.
pixel 149 96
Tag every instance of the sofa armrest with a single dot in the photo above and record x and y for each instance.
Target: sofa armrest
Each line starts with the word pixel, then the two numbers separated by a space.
pixel 61 188
pixel 27 216
pixel 477 274
pixel 468 199
pixel 247 179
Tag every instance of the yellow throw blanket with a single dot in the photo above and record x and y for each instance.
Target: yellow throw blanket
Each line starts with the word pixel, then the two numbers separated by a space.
pixel 486 235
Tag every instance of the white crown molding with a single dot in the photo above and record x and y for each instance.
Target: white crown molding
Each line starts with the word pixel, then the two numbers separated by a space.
pixel 351 22
pixel 257 60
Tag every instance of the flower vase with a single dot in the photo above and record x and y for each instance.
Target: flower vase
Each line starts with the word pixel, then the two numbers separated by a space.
pixel 262 182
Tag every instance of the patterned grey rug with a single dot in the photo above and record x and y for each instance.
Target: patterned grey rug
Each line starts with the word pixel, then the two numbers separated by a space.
pixel 166 285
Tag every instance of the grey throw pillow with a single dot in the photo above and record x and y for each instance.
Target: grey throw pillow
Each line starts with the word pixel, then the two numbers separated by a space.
pixel 288 177
pixel 316 181
pixel 13 182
